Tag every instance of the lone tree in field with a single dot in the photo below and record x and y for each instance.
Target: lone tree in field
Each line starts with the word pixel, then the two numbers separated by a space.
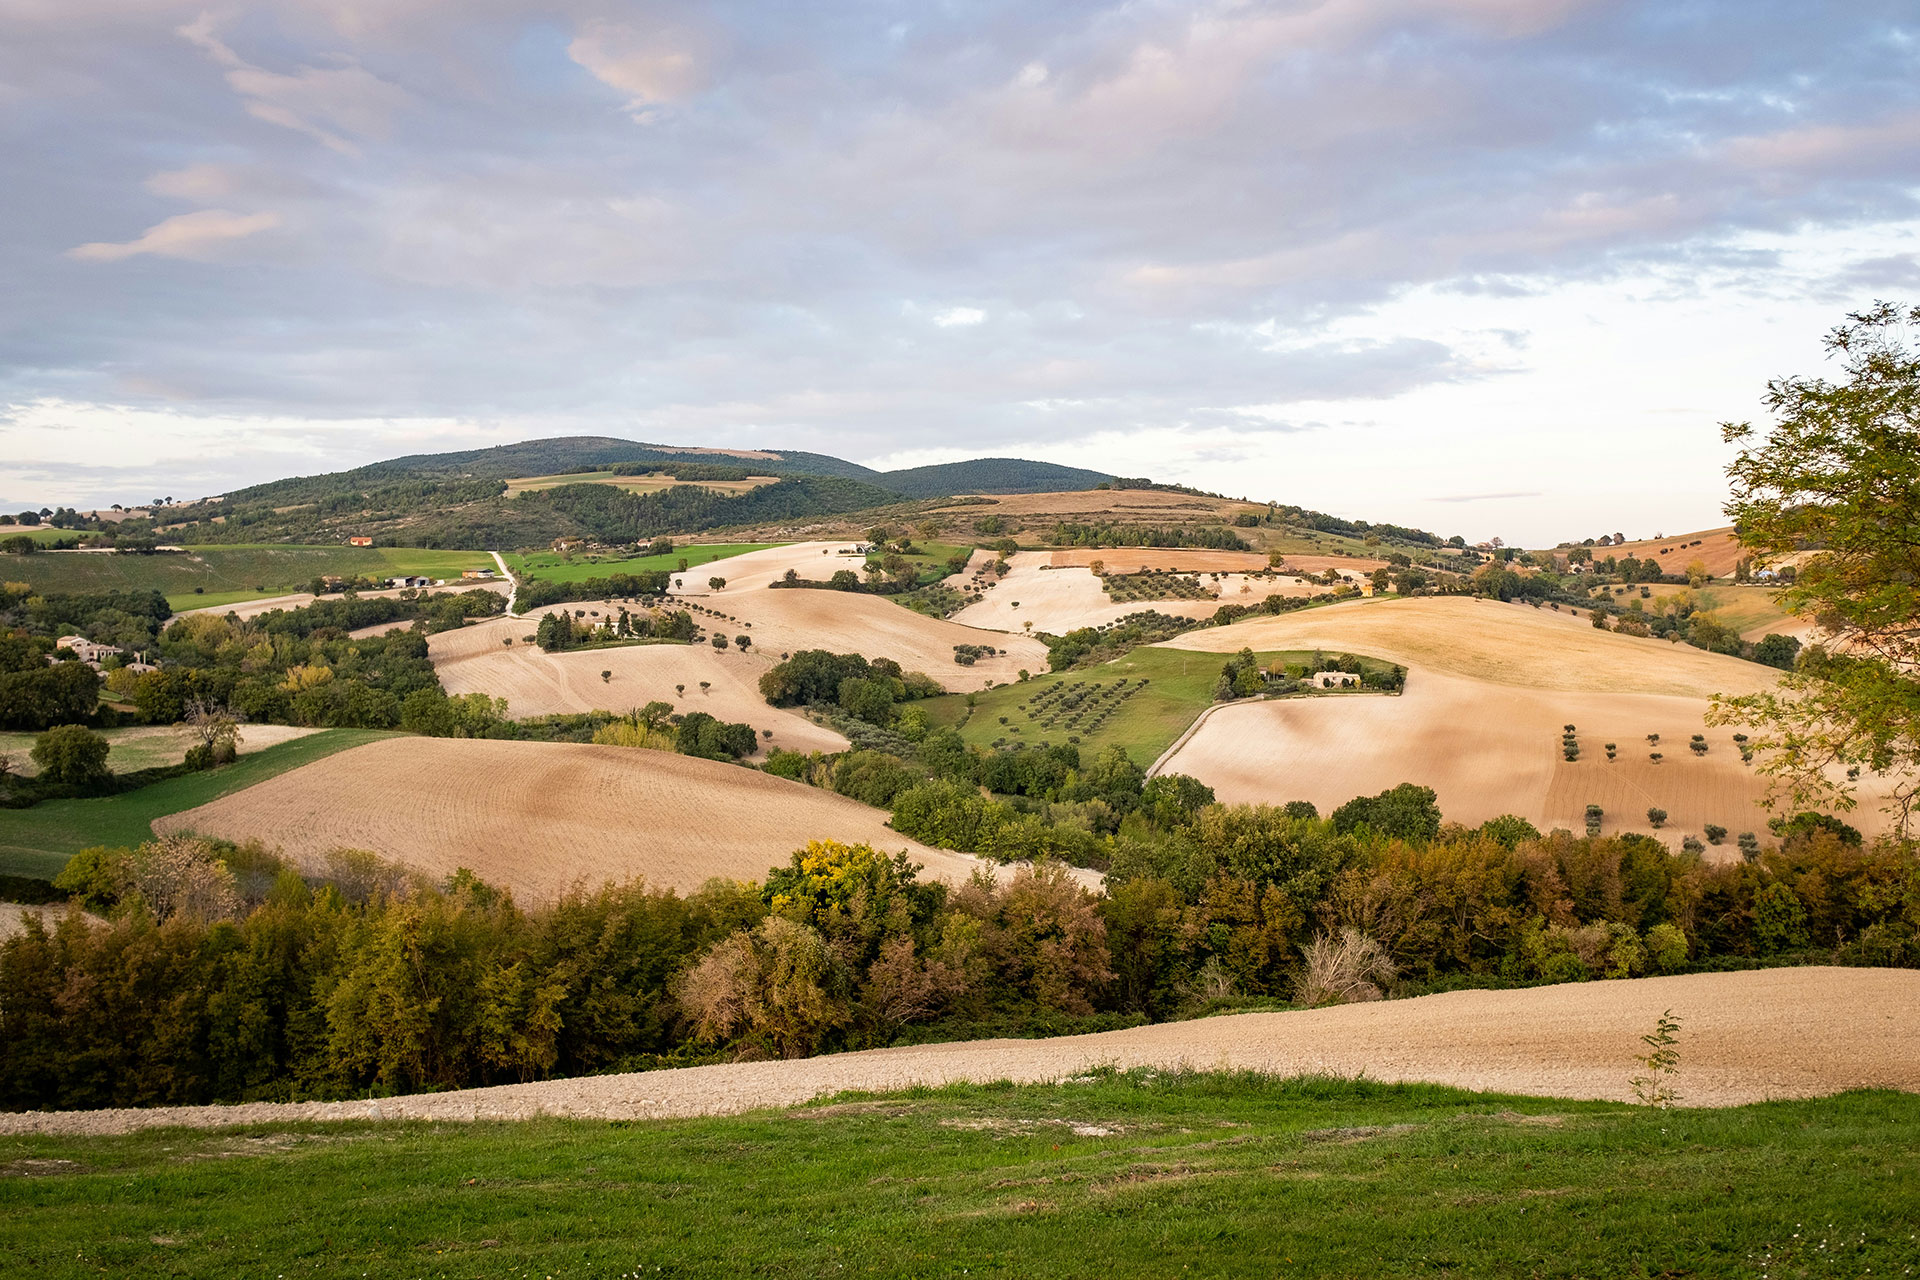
pixel 1838 470
pixel 1658 817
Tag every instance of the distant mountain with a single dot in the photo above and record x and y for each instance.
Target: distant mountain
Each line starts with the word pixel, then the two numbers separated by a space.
pixel 988 475
pixel 563 454
pixel 459 498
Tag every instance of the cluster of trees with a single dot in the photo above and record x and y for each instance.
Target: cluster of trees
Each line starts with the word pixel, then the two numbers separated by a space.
pixel 560 630
pixel 687 472
pixel 1216 537
pixel 868 691
pixel 127 619
pixel 535 593
pixel 222 975
pixel 612 514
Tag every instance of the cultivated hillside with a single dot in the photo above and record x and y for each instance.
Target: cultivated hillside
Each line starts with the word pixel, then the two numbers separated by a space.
pixel 538 817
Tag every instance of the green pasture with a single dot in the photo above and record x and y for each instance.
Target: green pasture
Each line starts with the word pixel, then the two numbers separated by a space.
pixel 556 567
pixel 38 841
pixel 203 576
pixel 1145 723
pixel 1106 1175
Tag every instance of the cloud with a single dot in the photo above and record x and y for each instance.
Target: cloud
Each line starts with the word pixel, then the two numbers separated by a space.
pixel 653 64
pixel 188 235
pixel 960 317
pixel 1489 497
pixel 325 103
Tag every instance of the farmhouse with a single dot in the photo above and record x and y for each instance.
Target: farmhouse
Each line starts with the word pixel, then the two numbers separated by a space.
pixel 85 649
pixel 359 540
pixel 410 580
pixel 476 573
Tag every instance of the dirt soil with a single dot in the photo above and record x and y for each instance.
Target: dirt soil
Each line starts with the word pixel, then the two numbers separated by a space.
pixel 1490 688
pixel 1508 644
pixel 540 817
pixel 1490 749
pixel 787 621
pixel 536 683
pixel 1744 1037
pixel 1055 598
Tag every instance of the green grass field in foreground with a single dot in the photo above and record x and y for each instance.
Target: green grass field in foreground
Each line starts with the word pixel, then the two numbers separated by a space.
pixel 38 841
pixel 229 574
pixel 1179 687
pixel 1112 1175
pixel 557 568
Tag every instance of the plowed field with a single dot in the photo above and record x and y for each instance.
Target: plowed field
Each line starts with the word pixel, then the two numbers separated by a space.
pixel 539 817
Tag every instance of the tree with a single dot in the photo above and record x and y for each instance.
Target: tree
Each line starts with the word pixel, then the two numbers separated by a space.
pixel 1835 480
pixel 72 754
pixel 716 583
pixel 216 733
pixel 741 642
pixel 1658 817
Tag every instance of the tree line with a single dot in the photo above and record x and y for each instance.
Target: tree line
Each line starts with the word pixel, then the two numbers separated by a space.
pixel 223 974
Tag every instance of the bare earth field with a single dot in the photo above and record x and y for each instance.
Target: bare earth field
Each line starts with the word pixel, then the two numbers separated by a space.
pixel 1491 749
pixel 1718 550
pixel 1501 643
pixel 1490 688
pixel 1744 1037
pixel 535 683
pixel 787 621
pixel 539 817
pixel 1136 559
pixel 1058 599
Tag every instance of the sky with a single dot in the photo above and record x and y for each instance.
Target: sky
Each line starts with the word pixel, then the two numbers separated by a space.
pixel 1488 267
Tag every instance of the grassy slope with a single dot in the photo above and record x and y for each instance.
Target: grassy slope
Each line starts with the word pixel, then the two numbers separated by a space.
pixel 38 841
pixel 555 568
pixel 1137 1175
pixel 1180 686
pixel 134 748
pixel 228 574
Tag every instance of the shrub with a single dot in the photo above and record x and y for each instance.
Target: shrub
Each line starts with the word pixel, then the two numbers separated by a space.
pixel 1658 817
pixel 1749 846
pixel 1715 833
pixel 72 754
pixel 1345 970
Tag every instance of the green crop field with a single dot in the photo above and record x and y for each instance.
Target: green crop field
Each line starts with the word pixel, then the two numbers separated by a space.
pixel 38 841
pixel 558 568
pixel 203 576
pixel 1142 1174
pixel 1144 720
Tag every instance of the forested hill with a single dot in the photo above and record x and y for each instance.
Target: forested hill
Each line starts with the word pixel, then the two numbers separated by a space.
pixel 565 454
pixel 988 475
pixel 461 499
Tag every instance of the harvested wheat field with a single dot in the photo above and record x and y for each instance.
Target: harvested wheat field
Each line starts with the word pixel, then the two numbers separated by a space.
pixel 786 621
pixel 1744 1037
pixel 536 683
pixel 538 817
pixel 1719 549
pixel 1501 643
pixel 1059 599
pixel 1488 750
pixel 1137 559
pixel 1490 690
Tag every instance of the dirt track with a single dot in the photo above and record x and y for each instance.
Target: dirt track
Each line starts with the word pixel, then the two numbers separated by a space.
pixel 1744 1037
